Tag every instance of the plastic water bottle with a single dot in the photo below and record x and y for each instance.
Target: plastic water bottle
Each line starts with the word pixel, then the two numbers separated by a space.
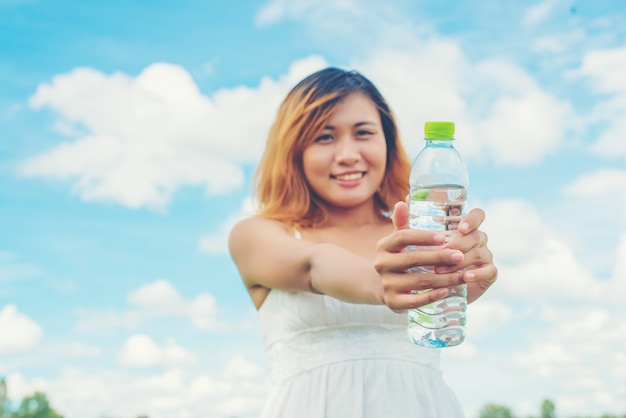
pixel 438 192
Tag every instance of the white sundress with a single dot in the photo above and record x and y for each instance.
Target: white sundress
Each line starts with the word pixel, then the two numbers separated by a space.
pixel 332 359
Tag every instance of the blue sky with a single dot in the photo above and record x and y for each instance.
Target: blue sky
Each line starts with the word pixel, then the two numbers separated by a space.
pixel 129 132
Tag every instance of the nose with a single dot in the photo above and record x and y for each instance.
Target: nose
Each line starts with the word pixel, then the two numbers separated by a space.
pixel 347 151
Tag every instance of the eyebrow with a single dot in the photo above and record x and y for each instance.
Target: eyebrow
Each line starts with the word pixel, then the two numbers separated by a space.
pixel 356 125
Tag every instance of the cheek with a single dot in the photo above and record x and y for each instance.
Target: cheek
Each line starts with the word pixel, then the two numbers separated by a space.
pixel 310 165
pixel 314 161
pixel 378 155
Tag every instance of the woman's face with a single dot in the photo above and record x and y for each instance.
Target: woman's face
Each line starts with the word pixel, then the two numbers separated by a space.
pixel 346 163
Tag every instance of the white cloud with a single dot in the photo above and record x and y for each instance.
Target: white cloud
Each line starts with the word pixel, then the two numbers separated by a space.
pixel 140 350
pixel 18 386
pixel 500 111
pixel 534 260
pixel 155 300
pixel 609 143
pixel 11 268
pixel 606 184
pixel 146 136
pixel 545 358
pixel 605 69
pixel 277 10
pixel 619 269
pixel 522 130
pixel 362 24
pixel 79 349
pixel 556 44
pixel 487 317
pixel 174 392
pixel 597 198
pixel 463 352
pixel 241 368
pixel 18 332
pixel 571 349
pixel 430 70
pixel 558 315
pixel 159 295
pixel 202 312
pixel 538 13
pixel 217 243
pixel 558 351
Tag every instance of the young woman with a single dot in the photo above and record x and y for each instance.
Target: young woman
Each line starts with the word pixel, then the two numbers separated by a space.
pixel 326 264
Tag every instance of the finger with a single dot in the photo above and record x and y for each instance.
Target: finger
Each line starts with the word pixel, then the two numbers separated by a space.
pixel 400 216
pixel 486 275
pixel 479 280
pixel 403 261
pixel 471 221
pixel 412 301
pixel 429 258
pixel 476 256
pixel 403 238
pixel 396 283
pixel 465 242
pixel 400 261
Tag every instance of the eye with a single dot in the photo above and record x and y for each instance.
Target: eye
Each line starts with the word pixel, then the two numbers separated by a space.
pixel 364 133
pixel 324 138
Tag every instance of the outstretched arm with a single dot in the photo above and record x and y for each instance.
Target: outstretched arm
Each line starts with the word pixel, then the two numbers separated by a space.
pixel 267 255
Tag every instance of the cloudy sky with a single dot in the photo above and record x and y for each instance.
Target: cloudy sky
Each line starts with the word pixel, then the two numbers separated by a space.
pixel 129 131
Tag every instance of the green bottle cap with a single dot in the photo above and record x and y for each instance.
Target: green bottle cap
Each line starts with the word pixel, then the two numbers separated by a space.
pixel 439 130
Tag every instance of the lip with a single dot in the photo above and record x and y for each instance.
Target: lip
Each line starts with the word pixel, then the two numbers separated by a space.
pixel 349 182
pixel 348 173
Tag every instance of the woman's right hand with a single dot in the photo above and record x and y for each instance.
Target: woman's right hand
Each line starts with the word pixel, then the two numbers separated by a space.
pixel 402 289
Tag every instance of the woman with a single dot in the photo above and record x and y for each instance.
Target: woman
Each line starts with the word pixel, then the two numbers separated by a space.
pixel 326 266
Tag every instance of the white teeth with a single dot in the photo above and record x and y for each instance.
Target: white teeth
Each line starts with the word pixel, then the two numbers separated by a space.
pixel 349 177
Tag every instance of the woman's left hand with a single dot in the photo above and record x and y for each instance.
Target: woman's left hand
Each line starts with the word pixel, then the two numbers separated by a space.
pixel 480 272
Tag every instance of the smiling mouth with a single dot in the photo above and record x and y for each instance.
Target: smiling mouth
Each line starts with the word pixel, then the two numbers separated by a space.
pixel 349 177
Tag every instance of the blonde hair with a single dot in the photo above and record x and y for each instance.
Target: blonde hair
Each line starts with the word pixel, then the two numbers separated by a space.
pixel 282 191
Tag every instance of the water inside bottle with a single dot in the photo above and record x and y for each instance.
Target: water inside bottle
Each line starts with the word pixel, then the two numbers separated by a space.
pixel 437 208
pixel 442 323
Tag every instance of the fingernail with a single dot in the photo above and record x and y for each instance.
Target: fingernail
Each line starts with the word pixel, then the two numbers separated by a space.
pixel 439 237
pixel 468 276
pixel 464 226
pixel 456 256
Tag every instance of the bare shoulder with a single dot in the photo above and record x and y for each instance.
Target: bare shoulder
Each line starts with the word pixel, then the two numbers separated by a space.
pixel 252 229
pixel 269 256
pixel 253 239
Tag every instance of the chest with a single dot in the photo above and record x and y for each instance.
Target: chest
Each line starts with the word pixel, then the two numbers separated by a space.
pixel 360 241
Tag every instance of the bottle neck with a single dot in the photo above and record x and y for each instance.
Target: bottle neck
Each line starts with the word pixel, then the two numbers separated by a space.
pixel 440 143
